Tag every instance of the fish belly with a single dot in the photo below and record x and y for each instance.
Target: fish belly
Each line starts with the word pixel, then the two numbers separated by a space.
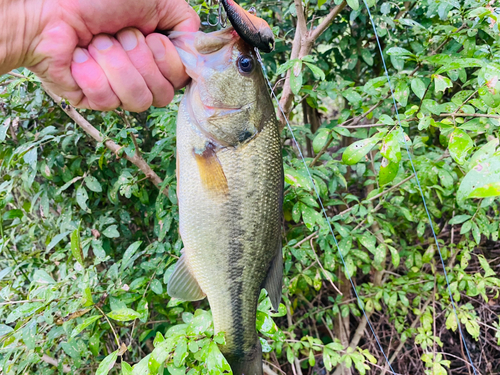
pixel 231 239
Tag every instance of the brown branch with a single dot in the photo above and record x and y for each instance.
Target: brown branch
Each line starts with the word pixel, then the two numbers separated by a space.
pixel 17 75
pixel 468 115
pixel 137 160
pixel 380 194
pixel 320 29
pixel 53 362
pixel 301 20
pixel 301 47
pixel 402 343
pixel 321 266
pixel 127 125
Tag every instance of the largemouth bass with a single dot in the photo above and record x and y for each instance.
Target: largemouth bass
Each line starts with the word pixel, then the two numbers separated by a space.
pixel 230 190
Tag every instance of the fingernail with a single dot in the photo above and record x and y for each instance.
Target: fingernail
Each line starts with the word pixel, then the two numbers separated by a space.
pixel 128 40
pixel 102 42
pixel 157 47
pixel 79 55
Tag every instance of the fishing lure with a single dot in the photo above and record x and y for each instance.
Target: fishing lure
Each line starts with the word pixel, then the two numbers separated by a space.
pixel 252 29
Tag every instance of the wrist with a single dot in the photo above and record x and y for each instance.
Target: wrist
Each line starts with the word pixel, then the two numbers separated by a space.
pixel 21 22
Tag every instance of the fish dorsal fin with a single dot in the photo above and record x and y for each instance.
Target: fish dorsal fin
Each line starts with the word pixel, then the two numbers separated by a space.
pixel 211 173
pixel 182 283
pixel 274 279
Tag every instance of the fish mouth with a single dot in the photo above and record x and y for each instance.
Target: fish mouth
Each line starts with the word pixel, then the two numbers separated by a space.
pixel 222 111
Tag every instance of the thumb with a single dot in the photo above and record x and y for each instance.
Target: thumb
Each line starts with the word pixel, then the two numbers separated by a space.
pixel 177 15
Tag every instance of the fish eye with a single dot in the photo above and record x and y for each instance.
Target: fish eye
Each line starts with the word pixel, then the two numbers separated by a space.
pixel 245 64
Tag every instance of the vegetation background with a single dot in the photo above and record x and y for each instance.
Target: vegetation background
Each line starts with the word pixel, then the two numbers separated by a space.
pixel 87 242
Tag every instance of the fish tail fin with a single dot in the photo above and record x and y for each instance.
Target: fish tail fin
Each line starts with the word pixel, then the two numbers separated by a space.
pixel 248 364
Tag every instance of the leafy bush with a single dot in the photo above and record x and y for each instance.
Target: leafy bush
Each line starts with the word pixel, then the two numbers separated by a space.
pixel 88 242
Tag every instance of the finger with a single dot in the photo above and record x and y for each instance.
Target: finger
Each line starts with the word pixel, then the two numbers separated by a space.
pixel 123 77
pixel 167 59
pixel 134 44
pixel 93 82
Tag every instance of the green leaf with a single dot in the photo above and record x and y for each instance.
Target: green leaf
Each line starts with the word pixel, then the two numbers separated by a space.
pixel 111 232
pixel 486 191
pixel 482 154
pixel 76 249
pixel 441 83
pixel 296 78
pixel 461 63
pixel 5 329
pixel 82 198
pixel 398 51
pixel 369 241
pixel 42 277
pixel 124 314
pixel 354 4
pixel 107 363
pixel 129 253
pixel 482 181
pixel 486 266
pixel 352 96
pixel 310 216
pixel 126 368
pixel 56 240
pixel 357 150
pixel 401 93
pixel 3 129
pixel 418 87
pixel 388 171
pixel 367 55
pixel 320 139
pixel 318 73
pixel 395 256
pixel 459 219
pixel 156 286
pixel 459 145
pixel 4 272
pixel 93 184
pixel 391 148
pixel 12 214
pixel 80 327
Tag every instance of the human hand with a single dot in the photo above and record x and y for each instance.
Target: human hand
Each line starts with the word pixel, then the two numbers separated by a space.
pixel 101 54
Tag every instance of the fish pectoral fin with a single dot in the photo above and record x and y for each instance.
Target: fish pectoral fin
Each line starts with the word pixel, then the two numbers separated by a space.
pixel 211 173
pixel 274 279
pixel 182 284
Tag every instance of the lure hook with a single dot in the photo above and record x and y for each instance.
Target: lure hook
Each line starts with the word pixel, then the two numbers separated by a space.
pixel 221 17
pixel 217 22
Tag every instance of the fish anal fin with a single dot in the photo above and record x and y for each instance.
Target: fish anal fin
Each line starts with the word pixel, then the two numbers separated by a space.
pixel 274 279
pixel 182 284
pixel 211 173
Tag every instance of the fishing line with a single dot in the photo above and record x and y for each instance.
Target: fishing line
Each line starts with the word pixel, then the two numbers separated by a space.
pixel 360 303
pixel 419 187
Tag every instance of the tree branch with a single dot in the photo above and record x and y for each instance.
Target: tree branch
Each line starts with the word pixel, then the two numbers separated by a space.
pixel 52 361
pixel 380 194
pixel 87 127
pixel 320 29
pixel 302 45
pixel 468 115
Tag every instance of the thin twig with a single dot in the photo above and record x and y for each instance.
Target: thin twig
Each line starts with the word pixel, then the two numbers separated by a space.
pixel 324 271
pixel 468 115
pixel 137 160
pixel 52 361
pixel 381 194
pixel 111 325
pixel 127 125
